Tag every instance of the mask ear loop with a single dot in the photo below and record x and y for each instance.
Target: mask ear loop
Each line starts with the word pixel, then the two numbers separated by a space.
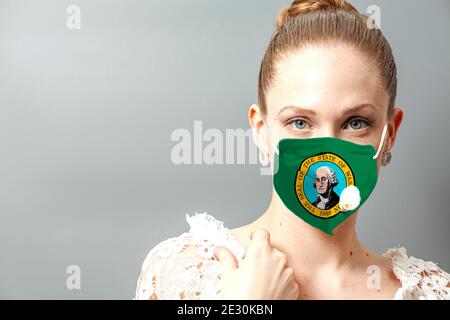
pixel 275 147
pixel 381 142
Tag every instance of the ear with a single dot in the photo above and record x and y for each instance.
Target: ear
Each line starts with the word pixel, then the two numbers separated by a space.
pixel 256 119
pixel 394 125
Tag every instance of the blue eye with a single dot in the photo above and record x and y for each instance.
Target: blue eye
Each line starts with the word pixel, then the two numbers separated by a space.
pixel 300 124
pixel 357 124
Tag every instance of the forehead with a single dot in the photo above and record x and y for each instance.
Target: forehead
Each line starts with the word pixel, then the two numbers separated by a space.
pixel 326 78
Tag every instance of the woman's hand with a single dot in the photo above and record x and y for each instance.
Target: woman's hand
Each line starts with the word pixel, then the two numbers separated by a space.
pixel 262 274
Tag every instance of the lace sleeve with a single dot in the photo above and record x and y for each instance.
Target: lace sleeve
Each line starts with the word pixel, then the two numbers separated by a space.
pixel 184 267
pixel 421 280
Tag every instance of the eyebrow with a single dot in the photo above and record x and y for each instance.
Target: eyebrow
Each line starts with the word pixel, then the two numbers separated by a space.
pixel 347 111
pixel 297 109
pixel 361 107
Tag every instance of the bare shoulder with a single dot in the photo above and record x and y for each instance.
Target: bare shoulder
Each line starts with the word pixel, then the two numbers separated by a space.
pixel 242 234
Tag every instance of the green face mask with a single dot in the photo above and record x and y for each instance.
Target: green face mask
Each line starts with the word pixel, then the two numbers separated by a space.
pixel 324 181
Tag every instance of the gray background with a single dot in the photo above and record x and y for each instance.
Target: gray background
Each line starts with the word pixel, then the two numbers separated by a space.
pixel 86 118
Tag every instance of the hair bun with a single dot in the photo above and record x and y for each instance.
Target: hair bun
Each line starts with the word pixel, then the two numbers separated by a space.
pixel 299 7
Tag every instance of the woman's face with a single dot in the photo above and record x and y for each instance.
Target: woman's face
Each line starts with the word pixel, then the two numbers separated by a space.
pixel 328 91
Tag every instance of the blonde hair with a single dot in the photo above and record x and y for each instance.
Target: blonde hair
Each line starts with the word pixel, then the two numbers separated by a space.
pixel 307 22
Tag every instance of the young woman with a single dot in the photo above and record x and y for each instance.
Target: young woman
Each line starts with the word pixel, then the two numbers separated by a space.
pixel 327 118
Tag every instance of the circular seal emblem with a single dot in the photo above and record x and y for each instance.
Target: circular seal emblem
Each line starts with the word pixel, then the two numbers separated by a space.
pixel 319 182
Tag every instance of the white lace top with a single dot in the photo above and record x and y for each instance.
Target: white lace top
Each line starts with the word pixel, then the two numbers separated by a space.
pixel 185 267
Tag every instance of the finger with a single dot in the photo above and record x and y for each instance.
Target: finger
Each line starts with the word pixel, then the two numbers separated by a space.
pixel 289 273
pixel 260 234
pixel 226 257
pixel 282 258
pixel 295 291
pixel 260 244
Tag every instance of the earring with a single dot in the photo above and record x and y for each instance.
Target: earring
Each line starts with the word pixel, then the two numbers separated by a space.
pixel 263 158
pixel 386 158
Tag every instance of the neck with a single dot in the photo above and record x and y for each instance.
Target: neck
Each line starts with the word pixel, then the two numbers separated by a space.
pixel 301 241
